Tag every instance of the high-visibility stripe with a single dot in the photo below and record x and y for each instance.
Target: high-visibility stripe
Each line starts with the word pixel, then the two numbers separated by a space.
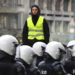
pixel 36 30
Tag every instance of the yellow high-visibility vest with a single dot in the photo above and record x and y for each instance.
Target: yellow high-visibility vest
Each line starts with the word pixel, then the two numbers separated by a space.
pixel 35 31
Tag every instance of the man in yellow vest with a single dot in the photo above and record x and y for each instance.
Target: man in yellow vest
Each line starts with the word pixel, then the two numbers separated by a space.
pixel 35 28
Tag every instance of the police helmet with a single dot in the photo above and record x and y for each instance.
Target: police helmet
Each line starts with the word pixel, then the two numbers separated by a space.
pixel 39 48
pixel 54 49
pixel 71 43
pixel 8 44
pixel 25 53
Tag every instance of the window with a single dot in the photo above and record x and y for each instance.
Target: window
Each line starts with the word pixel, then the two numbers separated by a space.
pixel 66 5
pixel 65 26
pixel 57 6
pixel 13 21
pixel 11 3
pixel 2 21
pixel 8 21
pixel 73 5
pixel 41 4
pixel 49 4
pixel 32 2
pixel 57 26
pixel 50 25
pixel 4 3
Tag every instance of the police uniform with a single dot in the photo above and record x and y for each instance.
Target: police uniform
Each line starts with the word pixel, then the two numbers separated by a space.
pixel 70 66
pixel 8 66
pixel 51 68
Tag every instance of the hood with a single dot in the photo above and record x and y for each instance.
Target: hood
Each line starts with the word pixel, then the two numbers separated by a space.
pixel 37 8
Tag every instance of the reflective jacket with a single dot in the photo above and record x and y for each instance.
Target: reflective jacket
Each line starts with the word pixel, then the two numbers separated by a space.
pixel 35 31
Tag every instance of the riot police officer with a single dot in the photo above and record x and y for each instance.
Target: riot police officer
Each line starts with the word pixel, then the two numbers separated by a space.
pixel 38 49
pixel 70 64
pixel 52 65
pixel 25 57
pixel 8 44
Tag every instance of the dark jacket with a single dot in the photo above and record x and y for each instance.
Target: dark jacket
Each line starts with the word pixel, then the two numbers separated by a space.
pixel 26 69
pixel 51 67
pixel 8 65
pixel 70 66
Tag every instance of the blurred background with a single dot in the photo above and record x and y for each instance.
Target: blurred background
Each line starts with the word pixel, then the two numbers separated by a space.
pixel 60 15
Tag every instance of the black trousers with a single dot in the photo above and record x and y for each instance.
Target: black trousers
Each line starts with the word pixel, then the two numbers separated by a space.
pixel 31 42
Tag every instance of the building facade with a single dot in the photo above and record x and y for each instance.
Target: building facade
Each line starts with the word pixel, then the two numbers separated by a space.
pixel 58 13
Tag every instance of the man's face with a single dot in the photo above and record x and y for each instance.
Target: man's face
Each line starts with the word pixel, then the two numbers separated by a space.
pixel 34 11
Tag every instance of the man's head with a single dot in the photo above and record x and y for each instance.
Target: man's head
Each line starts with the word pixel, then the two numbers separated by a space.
pixel 35 10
